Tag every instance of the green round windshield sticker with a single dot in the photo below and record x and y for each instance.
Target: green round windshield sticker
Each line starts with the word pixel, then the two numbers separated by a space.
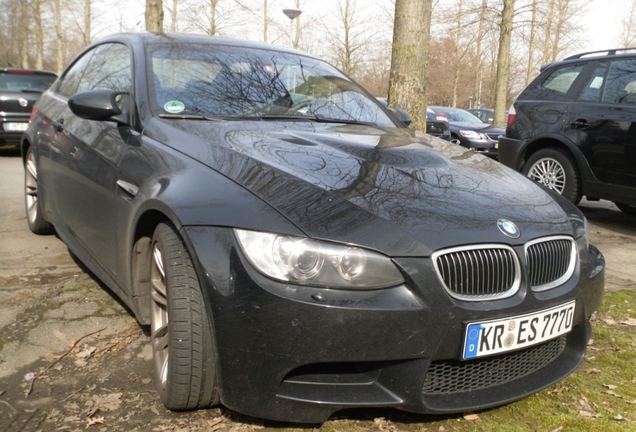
pixel 174 107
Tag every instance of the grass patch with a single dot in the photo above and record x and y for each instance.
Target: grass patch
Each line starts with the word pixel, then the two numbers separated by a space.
pixel 599 396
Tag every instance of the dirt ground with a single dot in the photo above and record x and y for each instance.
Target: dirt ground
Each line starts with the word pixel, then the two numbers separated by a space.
pixel 72 357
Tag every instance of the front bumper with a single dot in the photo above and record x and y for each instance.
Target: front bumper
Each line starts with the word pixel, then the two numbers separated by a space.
pixel 300 354
pixel 488 147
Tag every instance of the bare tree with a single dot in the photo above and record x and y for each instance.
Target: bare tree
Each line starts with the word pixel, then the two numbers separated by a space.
pixel 265 20
pixel 531 42
pixel 87 22
pixel 37 29
pixel 173 15
pixel 503 62
pixel 154 15
pixel 627 36
pixel 25 22
pixel 409 61
pixel 350 38
pixel 59 36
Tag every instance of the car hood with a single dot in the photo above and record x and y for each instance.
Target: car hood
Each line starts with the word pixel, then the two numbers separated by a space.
pixel 401 192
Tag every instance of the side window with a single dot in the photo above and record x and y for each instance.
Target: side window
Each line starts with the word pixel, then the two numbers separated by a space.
pixel 560 81
pixel 592 90
pixel 621 83
pixel 109 69
pixel 70 81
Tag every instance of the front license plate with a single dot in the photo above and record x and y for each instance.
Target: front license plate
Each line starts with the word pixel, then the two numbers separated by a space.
pixel 16 127
pixel 508 334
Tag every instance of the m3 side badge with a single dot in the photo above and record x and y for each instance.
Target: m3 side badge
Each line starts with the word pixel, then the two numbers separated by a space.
pixel 508 228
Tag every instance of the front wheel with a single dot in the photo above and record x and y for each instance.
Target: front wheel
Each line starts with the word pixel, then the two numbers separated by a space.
pixel 555 169
pixel 35 218
pixel 626 208
pixel 183 348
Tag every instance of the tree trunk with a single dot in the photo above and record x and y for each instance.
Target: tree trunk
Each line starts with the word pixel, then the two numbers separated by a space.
pixel 547 39
pixel 87 22
pixel 154 16
pixel 24 39
pixel 173 15
pixel 39 44
pixel 265 20
pixel 458 49
pixel 59 35
pixel 409 59
pixel 479 53
pixel 503 62
pixel 530 64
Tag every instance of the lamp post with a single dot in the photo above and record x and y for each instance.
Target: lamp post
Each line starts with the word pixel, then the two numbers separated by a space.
pixel 292 14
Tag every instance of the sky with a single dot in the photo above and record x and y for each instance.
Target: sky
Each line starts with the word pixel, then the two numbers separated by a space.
pixel 603 21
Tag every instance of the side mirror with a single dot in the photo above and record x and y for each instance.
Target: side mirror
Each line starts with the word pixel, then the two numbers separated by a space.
pixel 98 105
pixel 402 115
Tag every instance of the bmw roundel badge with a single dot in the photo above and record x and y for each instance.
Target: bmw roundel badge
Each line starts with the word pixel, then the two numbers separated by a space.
pixel 508 228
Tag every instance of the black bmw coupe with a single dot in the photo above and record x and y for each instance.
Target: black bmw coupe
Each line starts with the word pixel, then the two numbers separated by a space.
pixel 293 247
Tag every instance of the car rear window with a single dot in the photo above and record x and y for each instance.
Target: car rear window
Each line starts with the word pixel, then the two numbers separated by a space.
pixel 562 79
pixel 22 82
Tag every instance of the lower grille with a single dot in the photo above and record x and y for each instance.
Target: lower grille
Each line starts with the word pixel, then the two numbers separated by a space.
pixel 452 376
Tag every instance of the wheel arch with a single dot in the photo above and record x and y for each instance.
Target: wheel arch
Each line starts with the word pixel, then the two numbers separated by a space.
pixel 140 261
pixel 557 141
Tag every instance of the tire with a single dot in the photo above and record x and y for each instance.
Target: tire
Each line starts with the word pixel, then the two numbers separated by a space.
pixel 555 169
pixel 626 208
pixel 183 347
pixel 33 207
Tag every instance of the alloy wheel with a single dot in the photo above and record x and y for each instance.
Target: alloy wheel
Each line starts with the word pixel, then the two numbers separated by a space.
pixel 31 184
pixel 159 317
pixel 548 172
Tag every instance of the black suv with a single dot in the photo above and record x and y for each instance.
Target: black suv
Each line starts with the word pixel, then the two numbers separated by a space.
pixel 573 129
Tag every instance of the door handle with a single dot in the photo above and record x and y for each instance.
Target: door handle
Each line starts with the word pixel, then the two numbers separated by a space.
pixel 59 125
pixel 579 124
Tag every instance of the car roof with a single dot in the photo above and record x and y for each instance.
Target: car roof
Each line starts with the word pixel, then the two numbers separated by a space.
pixel 594 55
pixel 178 38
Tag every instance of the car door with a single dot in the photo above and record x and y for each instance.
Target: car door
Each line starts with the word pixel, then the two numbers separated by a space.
pixel 603 121
pixel 85 155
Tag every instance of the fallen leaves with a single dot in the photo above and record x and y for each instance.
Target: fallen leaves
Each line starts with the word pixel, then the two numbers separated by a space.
pixel 471 417
pixel 94 421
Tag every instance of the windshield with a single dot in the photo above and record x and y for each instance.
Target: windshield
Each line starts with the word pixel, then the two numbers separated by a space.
pixel 237 82
pixel 457 115
pixel 24 82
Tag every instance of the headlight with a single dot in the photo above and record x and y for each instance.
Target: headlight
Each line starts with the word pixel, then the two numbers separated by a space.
pixel 471 134
pixel 304 261
pixel 580 227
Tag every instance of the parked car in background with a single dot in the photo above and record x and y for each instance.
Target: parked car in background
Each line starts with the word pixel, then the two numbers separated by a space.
pixel 293 248
pixel 486 115
pixel 436 125
pixel 573 129
pixel 19 90
pixel 470 132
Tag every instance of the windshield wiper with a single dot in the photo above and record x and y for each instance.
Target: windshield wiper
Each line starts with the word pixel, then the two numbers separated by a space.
pixel 314 118
pixel 286 117
pixel 345 121
pixel 191 117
